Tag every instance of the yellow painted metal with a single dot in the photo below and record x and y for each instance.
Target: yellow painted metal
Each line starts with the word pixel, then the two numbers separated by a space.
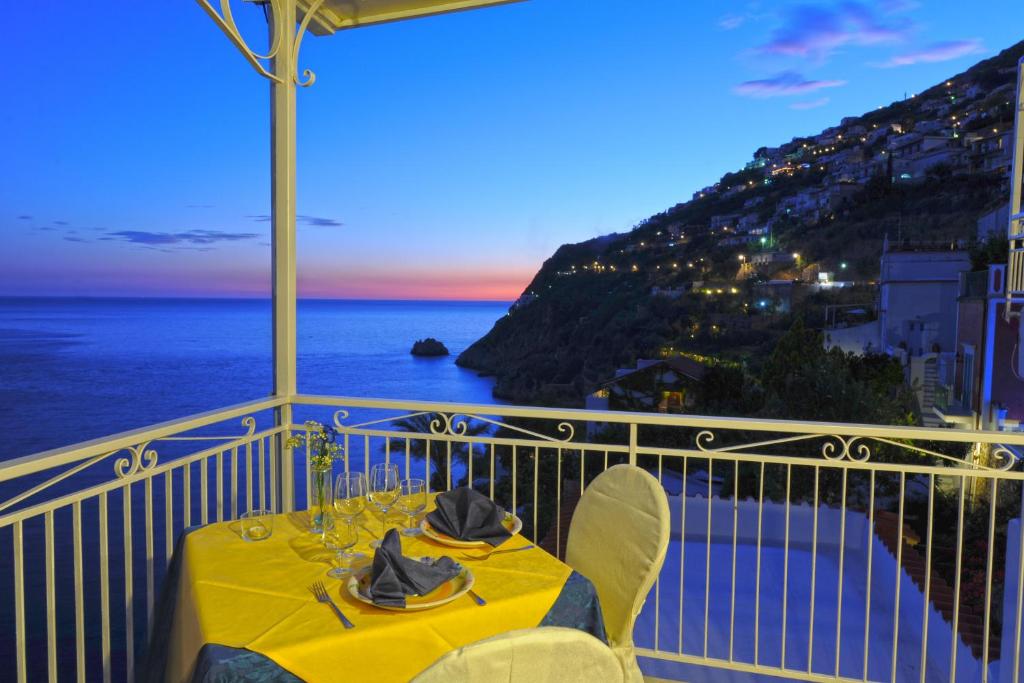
pixel 722 443
pixel 335 15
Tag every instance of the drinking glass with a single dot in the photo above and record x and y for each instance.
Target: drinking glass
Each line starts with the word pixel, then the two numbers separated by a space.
pixel 349 503
pixel 412 500
pixel 340 538
pixel 383 493
pixel 257 525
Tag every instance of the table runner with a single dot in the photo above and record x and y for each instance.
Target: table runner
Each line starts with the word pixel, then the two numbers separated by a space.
pixel 231 608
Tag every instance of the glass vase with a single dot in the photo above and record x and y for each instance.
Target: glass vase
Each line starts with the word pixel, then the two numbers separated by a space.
pixel 321 499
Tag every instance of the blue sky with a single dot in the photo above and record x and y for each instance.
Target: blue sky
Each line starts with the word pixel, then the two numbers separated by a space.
pixel 439 158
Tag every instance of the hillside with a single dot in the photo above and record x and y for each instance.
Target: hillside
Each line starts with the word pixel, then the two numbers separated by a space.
pixel 704 276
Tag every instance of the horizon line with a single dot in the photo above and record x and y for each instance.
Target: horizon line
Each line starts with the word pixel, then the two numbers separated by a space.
pixel 171 297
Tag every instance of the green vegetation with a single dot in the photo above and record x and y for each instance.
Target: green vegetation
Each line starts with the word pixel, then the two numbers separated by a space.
pixel 673 283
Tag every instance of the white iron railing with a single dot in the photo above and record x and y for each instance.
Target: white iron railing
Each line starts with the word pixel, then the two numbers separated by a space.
pixel 811 551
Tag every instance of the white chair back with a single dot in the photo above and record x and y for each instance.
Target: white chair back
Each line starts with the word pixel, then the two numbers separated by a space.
pixel 534 655
pixel 618 539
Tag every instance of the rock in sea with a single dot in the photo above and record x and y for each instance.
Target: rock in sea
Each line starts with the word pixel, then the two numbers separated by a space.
pixel 429 347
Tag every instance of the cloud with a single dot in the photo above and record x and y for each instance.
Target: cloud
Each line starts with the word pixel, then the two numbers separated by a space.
pixel 199 206
pixel 936 52
pixel 72 238
pixel 783 84
pixel 320 222
pixel 815 31
pixel 898 6
pixel 317 221
pixel 812 104
pixel 188 237
pixel 61 223
pixel 731 21
pixel 24 218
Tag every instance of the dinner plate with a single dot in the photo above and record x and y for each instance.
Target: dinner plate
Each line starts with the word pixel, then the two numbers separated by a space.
pixel 452 589
pixel 511 522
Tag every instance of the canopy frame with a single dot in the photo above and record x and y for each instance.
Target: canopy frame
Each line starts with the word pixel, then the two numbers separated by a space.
pixel 279 65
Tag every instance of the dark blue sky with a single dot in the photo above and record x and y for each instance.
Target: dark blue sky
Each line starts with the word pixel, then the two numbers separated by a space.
pixel 438 158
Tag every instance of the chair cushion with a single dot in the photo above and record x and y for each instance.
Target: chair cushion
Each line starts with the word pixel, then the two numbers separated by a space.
pixel 618 539
pixel 534 655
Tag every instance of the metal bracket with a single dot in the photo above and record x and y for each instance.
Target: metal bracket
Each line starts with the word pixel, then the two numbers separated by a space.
pixel 226 22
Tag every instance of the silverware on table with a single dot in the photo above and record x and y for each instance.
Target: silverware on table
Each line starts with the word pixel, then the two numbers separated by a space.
pixel 321 594
pixel 495 552
pixel 476 598
pixel 367 530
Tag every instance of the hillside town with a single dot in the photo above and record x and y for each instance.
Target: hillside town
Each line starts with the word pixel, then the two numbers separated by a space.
pixel 755 249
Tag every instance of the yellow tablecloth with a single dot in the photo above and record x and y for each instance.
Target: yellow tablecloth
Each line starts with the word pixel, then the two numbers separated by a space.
pixel 256 596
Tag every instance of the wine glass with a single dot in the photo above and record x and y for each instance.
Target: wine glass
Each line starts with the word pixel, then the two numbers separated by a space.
pixel 349 503
pixel 383 493
pixel 340 538
pixel 412 500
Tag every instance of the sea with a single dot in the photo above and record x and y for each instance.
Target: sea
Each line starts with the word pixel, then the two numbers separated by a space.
pixel 76 369
pixel 73 369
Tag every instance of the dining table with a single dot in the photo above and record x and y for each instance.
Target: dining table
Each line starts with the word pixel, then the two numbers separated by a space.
pixel 231 609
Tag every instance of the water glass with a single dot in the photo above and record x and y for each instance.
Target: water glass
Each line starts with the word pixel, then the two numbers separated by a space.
pixel 340 538
pixel 349 495
pixel 257 525
pixel 349 503
pixel 383 493
pixel 412 500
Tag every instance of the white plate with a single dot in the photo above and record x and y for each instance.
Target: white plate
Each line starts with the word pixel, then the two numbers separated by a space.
pixel 450 590
pixel 511 522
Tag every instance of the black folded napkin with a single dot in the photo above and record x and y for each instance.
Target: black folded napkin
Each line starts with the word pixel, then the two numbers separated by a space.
pixel 467 515
pixel 394 576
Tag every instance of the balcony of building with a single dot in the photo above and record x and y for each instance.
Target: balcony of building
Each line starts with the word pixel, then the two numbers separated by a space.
pixel 800 550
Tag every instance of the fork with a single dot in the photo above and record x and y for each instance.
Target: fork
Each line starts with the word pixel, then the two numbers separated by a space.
pixel 495 552
pixel 321 594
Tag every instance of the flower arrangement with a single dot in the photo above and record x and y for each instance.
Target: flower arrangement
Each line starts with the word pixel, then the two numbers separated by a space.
pixel 321 444
pixel 322 449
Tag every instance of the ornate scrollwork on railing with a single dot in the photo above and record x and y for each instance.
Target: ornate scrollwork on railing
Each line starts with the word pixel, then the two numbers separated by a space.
pixel 857 449
pixel 259 61
pixel 457 424
pixel 1002 458
pixel 340 415
pixel 250 425
pixel 843 449
pixel 136 460
pixel 142 458
pixel 454 424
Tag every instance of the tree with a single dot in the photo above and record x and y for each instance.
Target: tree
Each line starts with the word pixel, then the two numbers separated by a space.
pixel 443 454
pixel 803 381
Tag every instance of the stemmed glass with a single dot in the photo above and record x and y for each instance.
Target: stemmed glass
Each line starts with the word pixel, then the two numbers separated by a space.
pixel 340 538
pixel 412 500
pixel 349 503
pixel 383 493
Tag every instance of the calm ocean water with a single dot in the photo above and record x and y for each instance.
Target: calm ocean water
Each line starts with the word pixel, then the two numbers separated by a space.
pixel 76 369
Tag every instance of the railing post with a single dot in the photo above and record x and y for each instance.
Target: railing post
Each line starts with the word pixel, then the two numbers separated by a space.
pixel 632 443
pixel 285 475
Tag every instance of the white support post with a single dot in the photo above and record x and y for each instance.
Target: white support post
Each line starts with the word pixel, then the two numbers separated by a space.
pixel 282 210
